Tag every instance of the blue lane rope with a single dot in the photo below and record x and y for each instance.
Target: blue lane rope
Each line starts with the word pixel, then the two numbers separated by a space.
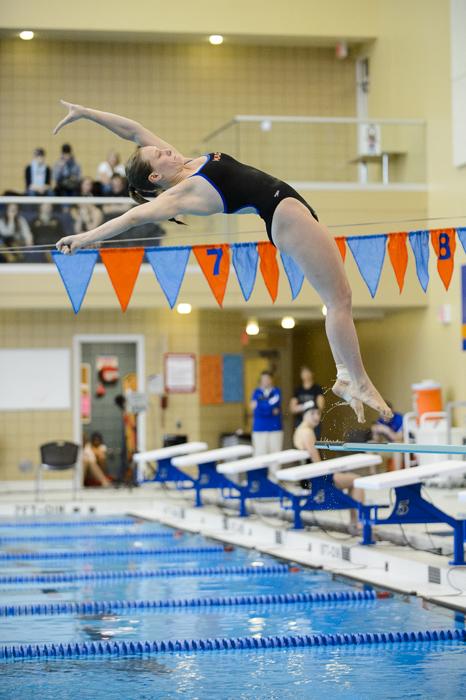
pixel 99 607
pixel 167 551
pixel 149 573
pixel 86 650
pixel 76 536
pixel 67 523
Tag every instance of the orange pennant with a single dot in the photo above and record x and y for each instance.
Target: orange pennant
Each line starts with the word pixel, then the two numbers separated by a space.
pixel 444 243
pixel 215 264
pixel 269 267
pixel 398 253
pixel 341 243
pixel 123 268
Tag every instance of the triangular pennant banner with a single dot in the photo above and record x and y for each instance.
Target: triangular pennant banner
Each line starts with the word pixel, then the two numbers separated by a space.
pixel 398 253
pixel 462 236
pixel 294 273
pixel 269 267
pixel 341 243
pixel 215 264
pixel 419 241
pixel 245 258
pixel 169 265
pixel 123 268
pixel 76 272
pixel 444 244
pixel 369 254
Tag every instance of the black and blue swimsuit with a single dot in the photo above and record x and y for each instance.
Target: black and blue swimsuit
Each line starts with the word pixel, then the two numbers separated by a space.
pixel 242 187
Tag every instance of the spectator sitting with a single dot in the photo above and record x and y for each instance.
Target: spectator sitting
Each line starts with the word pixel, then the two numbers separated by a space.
pixel 109 167
pixel 85 217
pixel 66 173
pixel 38 175
pixel 119 188
pixel 14 231
pixel 89 188
pixel 95 461
pixel 390 431
pixel 304 438
pixel 46 229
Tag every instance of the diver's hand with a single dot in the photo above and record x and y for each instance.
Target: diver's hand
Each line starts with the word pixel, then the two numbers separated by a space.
pixel 75 112
pixel 70 244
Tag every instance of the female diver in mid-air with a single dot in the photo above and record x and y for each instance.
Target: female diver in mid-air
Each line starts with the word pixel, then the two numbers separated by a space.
pixel 217 183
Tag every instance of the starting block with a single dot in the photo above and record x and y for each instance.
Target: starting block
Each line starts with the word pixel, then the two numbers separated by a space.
pixel 258 485
pixel 208 474
pixel 410 506
pixel 323 494
pixel 161 462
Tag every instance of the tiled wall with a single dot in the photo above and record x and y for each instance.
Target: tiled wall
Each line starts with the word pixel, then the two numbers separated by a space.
pixel 181 91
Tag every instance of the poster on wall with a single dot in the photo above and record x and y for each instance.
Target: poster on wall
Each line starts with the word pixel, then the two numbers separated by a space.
pixel 463 304
pixel 180 373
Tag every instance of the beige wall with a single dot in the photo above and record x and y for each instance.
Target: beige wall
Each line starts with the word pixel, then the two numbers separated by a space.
pixel 180 91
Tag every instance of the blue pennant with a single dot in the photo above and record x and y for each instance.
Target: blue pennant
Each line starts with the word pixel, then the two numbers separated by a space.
pixel 294 273
pixel 462 236
pixel 76 272
pixel 245 258
pixel 369 253
pixel 232 378
pixel 419 241
pixel 169 265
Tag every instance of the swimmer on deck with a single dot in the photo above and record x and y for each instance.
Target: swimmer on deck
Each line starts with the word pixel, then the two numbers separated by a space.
pixel 217 183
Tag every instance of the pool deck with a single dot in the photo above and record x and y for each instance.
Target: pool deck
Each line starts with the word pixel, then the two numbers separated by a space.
pixel 388 564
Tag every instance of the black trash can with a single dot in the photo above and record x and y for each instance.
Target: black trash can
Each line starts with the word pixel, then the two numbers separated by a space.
pixel 170 440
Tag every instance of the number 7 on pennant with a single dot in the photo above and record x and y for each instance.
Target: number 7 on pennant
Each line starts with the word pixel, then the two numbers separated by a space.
pixel 219 253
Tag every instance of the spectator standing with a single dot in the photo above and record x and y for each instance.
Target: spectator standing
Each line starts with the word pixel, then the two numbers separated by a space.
pixel 109 167
pixel 267 432
pixel 67 173
pixel 307 395
pixel 14 231
pixel 38 175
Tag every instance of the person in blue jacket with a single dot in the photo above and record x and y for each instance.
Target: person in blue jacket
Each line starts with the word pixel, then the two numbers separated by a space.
pixel 267 432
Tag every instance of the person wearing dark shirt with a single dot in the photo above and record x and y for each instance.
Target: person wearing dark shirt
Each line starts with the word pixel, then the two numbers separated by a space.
pixel 46 230
pixel 38 175
pixel 307 395
pixel 67 173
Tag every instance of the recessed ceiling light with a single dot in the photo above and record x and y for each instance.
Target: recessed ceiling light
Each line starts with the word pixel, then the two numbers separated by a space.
pixel 184 308
pixel 216 39
pixel 26 35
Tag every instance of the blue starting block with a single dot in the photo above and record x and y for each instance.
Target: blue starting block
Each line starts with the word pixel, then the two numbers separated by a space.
pixel 323 494
pixel 160 462
pixel 258 484
pixel 410 507
pixel 206 462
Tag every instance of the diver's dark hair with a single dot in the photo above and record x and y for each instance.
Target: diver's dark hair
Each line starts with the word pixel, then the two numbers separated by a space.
pixel 139 185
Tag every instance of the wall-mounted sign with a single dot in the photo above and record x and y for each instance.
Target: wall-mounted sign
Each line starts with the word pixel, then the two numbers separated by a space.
pixel 180 373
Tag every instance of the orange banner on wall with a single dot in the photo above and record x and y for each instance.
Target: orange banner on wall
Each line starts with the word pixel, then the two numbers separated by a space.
pixel 215 264
pixel 210 379
pixel 398 253
pixel 341 243
pixel 269 267
pixel 444 243
pixel 123 268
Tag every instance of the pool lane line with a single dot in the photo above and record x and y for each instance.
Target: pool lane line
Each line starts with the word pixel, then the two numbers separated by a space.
pixel 97 553
pixel 149 573
pixel 67 523
pixel 11 539
pixel 101 607
pixel 114 649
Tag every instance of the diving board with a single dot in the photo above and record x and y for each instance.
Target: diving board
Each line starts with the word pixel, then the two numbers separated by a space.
pixel 391 447
pixel 410 507
pixel 209 476
pixel 165 471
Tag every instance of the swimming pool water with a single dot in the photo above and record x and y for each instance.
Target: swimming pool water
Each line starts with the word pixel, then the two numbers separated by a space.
pixel 411 670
